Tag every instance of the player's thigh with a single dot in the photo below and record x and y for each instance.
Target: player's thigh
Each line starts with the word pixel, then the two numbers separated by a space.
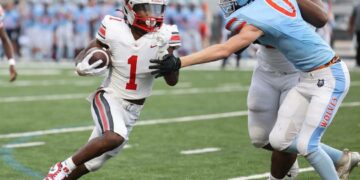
pixel 263 104
pixel 291 116
pixel 108 114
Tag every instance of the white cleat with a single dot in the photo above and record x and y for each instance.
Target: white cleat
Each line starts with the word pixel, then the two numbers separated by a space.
pixel 347 163
pixel 293 172
pixel 57 172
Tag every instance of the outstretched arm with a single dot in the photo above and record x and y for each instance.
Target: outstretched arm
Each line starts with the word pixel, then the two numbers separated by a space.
pixel 170 63
pixel 313 12
pixel 9 52
pixel 246 36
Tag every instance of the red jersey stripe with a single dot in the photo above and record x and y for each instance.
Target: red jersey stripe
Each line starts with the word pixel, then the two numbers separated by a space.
pixel 228 25
pixel 102 31
pixel 175 38
pixel 240 27
pixel 101 108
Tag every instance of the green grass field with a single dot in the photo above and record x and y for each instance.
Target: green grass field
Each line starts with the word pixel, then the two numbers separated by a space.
pixel 56 99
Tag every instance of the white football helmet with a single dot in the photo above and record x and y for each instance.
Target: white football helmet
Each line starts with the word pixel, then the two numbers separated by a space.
pixel 230 6
pixel 154 10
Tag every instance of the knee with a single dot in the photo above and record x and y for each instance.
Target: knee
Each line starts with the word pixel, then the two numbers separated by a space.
pixel 277 142
pixel 259 138
pixel 306 148
pixel 113 140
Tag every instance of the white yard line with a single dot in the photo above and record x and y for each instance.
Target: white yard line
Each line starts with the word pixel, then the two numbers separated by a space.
pixel 34 72
pixel 140 123
pixel 144 123
pixel 22 145
pixel 200 151
pixel 180 91
pixel 154 93
pixel 6 84
pixel 266 175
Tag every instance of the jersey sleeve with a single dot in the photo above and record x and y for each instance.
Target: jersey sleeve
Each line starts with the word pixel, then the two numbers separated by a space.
pixel 235 24
pixel 102 35
pixel 175 39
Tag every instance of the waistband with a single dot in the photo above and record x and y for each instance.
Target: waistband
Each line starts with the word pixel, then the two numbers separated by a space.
pixel 334 60
pixel 136 101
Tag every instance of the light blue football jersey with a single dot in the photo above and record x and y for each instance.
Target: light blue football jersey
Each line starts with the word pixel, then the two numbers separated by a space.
pixel 284 29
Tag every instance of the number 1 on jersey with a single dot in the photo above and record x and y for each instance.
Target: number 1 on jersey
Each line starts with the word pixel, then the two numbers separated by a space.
pixel 131 85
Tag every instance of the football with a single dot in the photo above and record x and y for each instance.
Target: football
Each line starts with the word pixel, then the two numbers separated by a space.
pixel 99 54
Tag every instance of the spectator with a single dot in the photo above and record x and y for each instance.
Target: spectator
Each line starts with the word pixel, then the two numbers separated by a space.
pixel 12 25
pixel 64 30
pixel 354 27
pixel 82 18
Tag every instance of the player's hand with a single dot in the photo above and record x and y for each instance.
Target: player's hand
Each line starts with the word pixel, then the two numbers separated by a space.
pixel 13 73
pixel 169 64
pixel 85 69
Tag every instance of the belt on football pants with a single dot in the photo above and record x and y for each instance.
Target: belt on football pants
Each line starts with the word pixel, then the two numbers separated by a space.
pixel 334 60
pixel 136 101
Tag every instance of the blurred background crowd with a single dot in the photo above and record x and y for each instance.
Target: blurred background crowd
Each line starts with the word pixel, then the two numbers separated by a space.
pixel 55 30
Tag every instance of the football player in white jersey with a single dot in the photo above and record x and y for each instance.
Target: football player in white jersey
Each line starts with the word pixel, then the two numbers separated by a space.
pixel 9 51
pixel 116 105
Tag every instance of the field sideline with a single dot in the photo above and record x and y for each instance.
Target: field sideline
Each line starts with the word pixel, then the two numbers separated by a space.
pixel 205 115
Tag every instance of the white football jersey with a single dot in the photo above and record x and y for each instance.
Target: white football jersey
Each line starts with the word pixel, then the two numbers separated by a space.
pixel 129 75
pixel 271 59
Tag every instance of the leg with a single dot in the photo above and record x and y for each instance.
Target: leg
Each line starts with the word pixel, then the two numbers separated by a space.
pixel 90 166
pixel 290 114
pixel 324 104
pixel 96 147
pixel 107 137
pixel 78 172
pixel 358 49
pixel 281 162
pixel 263 104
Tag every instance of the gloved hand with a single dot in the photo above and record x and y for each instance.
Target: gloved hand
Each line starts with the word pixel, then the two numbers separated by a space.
pixel 85 69
pixel 169 64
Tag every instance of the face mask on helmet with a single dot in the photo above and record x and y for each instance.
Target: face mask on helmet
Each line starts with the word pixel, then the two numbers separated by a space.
pixel 230 6
pixel 148 16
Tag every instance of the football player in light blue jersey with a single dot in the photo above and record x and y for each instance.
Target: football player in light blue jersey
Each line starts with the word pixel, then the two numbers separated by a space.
pixel 310 106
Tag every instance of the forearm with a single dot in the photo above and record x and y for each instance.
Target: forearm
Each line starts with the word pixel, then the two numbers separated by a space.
pixel 239 41
pixel 313 12
pixel 209 54
pixel 9 51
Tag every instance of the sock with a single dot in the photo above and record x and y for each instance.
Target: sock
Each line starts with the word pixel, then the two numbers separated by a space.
pixel 273 178
pixel 69 163
pixel 334 154
pixel 323 164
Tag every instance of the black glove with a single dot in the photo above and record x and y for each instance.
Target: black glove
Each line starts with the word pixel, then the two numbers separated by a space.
pixel 169 64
